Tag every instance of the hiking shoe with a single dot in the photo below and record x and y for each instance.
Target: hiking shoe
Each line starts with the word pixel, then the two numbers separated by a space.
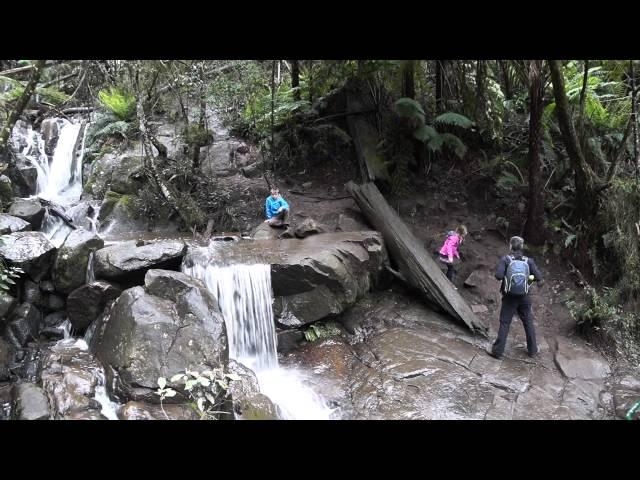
pixel 534 354
pixel 491 354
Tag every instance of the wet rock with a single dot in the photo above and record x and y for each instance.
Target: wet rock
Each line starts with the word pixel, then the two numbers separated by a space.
pixel 247 401
pixel 129 263
pixel 7 354
pixel 31 402
pixel 306 228
pixel 52 333
pixel 145 336
pixel 623 401
pixel 24 324
pixel 7 304
pixel 91 414
pixel 6 193
pixel 29 210
pixel 70 266
pixel 288 340
pixel 582 397
pixel 70 376
pixel 31 251
pixel 576 361
pixel 53 302
pixel 32 293
pixel 538 404
pixel 54 319
pixel 479 309
pixel 87 302
pixel 11 224
pixel 146 411
pixel 24 176
pixel 47 286
pixel 127 175
pixel 50 131
pixel 265 232
pixel 6 401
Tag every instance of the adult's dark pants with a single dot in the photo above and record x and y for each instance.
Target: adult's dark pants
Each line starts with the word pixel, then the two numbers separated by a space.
pixel 510 306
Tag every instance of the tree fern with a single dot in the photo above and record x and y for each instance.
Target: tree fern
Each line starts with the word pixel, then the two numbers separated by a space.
pixel 455 144
pixel 121 103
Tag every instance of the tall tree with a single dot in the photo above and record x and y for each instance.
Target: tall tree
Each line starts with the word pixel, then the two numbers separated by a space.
pixel 534 229
pixel 440 79
pixel 586 199
pixel 295 79
pixel 407 68
pixel 20 105
pixel 481 73
pixel 634 117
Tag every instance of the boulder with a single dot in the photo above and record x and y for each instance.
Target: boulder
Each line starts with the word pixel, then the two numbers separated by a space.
pixel 70 376
pixel 306 228
pixel 31 402
pixel 31 293
pixel 127 175
pixel 6 359
pixel 87 302
pixel 54 319
pixel 128 263
pixel 53 302
pixel 171 324
pixel 146 411
pixel 7 304
pixel 6 191
pixel 313 278
pixel 24 324
pixel 70 266
pixel 31 251
pixel 11 224
pixel 247 401
pixel 576 361
pixel 29 210
pixel 24 176
pixel 50 131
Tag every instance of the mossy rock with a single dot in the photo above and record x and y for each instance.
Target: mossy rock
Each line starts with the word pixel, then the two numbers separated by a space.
pixel 6 190
pixel 108 204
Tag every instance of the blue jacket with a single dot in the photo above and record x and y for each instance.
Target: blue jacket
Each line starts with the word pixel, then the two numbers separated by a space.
pixel 272 206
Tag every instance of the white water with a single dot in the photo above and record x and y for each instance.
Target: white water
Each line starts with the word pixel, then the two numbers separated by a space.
pixel 63 184
pixel 91 277
pixel 245 298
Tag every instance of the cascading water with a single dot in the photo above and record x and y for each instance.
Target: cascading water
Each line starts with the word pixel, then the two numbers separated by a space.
pixel 90 277
pixel 245 298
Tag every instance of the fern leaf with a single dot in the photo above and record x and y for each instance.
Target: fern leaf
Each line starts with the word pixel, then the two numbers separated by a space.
pixel 409 108
pixel 455 119
pixel 425 133
pixel 455 144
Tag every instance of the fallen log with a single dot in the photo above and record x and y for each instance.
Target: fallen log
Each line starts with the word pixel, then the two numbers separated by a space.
pixel 414 263
pixel 57 211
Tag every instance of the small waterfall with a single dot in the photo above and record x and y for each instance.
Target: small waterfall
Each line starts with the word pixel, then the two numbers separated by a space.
pixel 93 219
pixel 109 407
pixel 90 278
pixel 66 329
pixel 245 298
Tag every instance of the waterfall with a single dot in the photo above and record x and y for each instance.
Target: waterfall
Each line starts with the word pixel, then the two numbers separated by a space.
pixel 245 298
pixel 90 278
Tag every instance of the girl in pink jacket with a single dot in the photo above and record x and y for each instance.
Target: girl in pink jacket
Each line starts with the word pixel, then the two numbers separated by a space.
pixel 449 250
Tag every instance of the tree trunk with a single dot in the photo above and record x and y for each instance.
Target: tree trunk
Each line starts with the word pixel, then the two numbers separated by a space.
pixel 534 230
pixel 414 262
pixel 20 105
pixel 272 150
pixel 508 94
pixel 479 114
pixel 586 200
pixel 408 78
pixel 440 74
pixel 295 79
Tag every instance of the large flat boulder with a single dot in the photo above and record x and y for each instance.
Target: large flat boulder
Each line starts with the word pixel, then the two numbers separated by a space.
pixel 577 361
pixel 31 402
pixel 127 263
pixel 31 251
pixel 29 210
pixel 11 224
pixel 171 324
pixel 312 278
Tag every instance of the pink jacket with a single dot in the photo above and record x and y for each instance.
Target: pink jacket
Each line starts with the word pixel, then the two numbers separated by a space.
pixel 450 247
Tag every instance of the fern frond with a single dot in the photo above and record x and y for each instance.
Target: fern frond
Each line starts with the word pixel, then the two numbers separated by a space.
pixel 409 108
pixel 455 119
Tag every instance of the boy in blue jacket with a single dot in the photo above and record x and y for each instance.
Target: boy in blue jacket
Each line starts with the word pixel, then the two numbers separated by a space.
pixel 276 209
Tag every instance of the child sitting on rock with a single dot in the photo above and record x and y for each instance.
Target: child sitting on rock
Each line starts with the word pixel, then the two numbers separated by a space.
pixel 449 251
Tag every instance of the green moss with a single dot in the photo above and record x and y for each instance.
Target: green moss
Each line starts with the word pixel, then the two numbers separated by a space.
pixel 109 203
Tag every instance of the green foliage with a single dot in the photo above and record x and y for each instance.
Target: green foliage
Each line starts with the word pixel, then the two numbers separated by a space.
pixel 434 141
pixel 52 95
pixel 258 109
pixel 121 103
pixel 207 391
pixel 320 330
pixel 8 274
